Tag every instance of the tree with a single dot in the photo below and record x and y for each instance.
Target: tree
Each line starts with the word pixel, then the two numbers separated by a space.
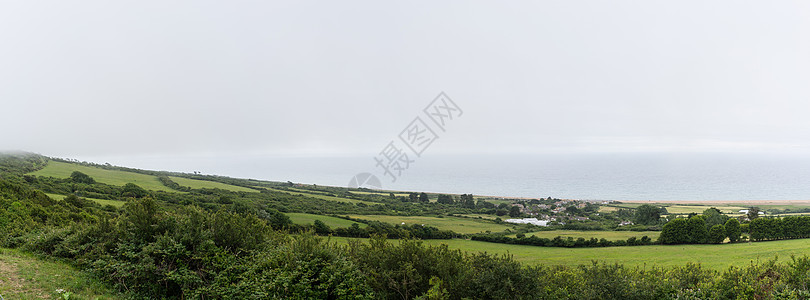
pixel 696 228
pixel 423 197
pixel 753 213
pixel 321 227
pixel 467 201
pixel 445 199
pixel 647 215
pixel 674 232
pixel 79 177
pixel 733 230
pixel 714 217
pixel 133 190
pixel 514 212
pixel 717 234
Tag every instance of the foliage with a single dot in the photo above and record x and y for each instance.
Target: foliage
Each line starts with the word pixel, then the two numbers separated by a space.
pixel 647 214
pixel 733 230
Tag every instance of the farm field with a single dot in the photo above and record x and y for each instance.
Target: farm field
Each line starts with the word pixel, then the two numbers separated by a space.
pixel 608 235
pixel 99 201
pixel 460 225
pixel 397 194
pixel 23 276
pixel 717 257
pixel 301 218
pixel 687 209
pixel 325 197
pixel 204 184
pixel 112 177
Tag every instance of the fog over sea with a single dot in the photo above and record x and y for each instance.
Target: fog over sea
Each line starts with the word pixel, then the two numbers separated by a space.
pixel 696 177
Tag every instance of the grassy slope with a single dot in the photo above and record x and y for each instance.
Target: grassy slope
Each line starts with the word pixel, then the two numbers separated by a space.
pixel 609 235
pixel 99 201
pixel 301 218
pixel 460 225
pixel 22 276
pixel 325 197
pixel 203 184
pixel 711 256
pixel 111 177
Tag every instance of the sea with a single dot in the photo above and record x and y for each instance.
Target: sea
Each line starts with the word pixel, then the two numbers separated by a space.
pixel 601 176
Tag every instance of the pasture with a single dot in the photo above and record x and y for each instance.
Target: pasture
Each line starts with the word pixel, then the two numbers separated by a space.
pixel 460 225
pixel 115 203
pixel 717 257
pixel 324 197
pixel 608 235
pixel 303 219
pixel 205 184
pixel 112 177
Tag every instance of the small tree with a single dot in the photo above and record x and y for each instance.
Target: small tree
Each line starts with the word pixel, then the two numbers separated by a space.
pixel 423 197
pixel 514 212
pixel 647 214
pixel 79 177
pixel 733 230
pixel 717 234
pixel 696 227
pixel 753 213
pixel 321 227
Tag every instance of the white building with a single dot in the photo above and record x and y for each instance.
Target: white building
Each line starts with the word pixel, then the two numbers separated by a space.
pixel 533 221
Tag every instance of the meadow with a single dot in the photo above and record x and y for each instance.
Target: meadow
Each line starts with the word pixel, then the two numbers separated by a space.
pixel 324 197
pixel 460 225
pixel 204 184
pixel 112 177
pixel 608 235
pixel 716 257
pixel 114 203
pixel 309 219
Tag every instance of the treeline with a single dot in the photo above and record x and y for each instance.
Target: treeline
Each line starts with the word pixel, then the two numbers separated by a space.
pixel 701 229
pixel 790 227
pixel 559 241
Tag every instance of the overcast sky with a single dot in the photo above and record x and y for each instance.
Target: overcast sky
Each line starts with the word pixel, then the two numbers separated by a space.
pixel 96 78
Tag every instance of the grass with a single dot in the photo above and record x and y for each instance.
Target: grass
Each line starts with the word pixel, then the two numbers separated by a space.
pixel 460 225
pixel 325 197
pixel 717 257
pixel 112 177
pixel 608 235
pixel 301 218
pixel 204 184
pixel 99 201
pixel 687 209
pixel 23 276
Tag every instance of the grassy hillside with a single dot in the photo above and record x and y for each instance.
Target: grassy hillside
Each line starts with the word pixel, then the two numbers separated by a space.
pixel 609 235
pixel 203 184
pixel 23 276
pixel 460 225
pixel 324 197
pixel 717 257
pixel 112 177
pixel 304 219
pixel 99 201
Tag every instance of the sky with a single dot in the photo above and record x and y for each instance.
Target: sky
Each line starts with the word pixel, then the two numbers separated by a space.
pixel 328 78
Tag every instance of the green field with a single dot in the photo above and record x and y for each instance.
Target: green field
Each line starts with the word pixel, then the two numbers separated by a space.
pixel 23 276
pixel 112 177
pixel 325 197
pixel 460 225
pixel 687 209
pixel 204 184
pixel 712 256
pixel 608 235
pixel 301 218
pixel 99 201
